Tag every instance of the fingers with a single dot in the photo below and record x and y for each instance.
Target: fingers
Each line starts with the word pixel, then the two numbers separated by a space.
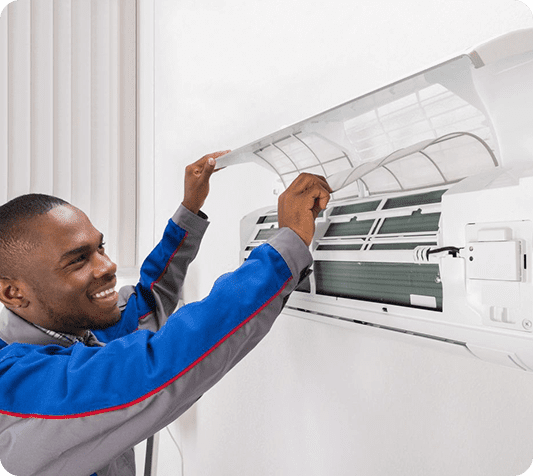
pixel 207 169
pixel 300 204
pixel 197 180
pixel 321 201
pixel 206 161
pixel 211 158
pixel 316 189
pixel 322 180
pixel 210 164
pixel 320 198
pixel 305 181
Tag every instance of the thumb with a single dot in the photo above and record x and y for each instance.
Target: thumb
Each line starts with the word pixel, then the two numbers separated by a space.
pixel 208 169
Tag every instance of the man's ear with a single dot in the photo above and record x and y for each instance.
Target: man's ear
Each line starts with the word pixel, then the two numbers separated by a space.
pixel 12 294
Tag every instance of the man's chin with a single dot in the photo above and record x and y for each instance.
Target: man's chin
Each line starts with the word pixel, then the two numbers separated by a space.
pixel 110 321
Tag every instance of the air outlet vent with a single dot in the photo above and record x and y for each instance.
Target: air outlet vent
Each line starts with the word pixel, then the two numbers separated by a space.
pixel 387 283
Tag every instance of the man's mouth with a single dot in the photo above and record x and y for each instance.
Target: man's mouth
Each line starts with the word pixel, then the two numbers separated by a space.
pixel 104 294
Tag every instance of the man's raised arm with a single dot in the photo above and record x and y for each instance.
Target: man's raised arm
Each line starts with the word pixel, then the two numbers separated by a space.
pixel 148 305
pixel 95 403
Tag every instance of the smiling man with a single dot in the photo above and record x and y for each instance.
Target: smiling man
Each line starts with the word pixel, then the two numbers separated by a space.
pixel 87 372
pixel 60 291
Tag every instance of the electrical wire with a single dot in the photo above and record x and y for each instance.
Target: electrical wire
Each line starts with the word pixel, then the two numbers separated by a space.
pixel 148 462
pixel 179 450
pixel 454 251
pixel 421 254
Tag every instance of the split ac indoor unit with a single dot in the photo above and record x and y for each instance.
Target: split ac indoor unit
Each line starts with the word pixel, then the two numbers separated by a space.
pixel 430 229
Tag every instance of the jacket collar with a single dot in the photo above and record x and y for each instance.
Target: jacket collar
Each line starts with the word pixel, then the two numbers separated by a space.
pixel 14 329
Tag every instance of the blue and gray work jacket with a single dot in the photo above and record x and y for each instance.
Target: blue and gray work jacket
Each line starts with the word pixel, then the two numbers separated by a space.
pixel 79 410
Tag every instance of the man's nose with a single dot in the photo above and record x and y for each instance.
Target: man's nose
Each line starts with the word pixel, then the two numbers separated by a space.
pixel 103 266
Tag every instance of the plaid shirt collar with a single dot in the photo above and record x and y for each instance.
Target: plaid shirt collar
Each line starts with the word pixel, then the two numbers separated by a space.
pixel 89 339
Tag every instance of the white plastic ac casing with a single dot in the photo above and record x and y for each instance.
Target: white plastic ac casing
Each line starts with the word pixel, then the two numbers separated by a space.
pixel 430 229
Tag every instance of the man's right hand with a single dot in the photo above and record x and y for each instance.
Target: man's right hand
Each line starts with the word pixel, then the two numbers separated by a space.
pixel 300 204
pixel 197 181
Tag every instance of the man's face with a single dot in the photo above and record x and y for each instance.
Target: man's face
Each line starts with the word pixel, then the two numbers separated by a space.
pixel 70 280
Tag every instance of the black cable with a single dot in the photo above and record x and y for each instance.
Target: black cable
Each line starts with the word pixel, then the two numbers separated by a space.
pixel 451 249
pixel 149 456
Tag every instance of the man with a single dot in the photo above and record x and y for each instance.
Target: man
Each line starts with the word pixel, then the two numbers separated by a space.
pixel 85 374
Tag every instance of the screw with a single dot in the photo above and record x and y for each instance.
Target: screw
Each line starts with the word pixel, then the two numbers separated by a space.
pixel 437 279
pixel 471 248
pixel 527 324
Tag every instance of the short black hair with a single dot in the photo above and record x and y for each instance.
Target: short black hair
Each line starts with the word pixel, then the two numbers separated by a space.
pixel 15 234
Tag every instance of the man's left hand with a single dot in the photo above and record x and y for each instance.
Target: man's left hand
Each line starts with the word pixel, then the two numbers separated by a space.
pixel 197 181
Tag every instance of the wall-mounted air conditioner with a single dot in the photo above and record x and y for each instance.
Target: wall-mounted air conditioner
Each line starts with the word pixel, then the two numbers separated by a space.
pixel 430 229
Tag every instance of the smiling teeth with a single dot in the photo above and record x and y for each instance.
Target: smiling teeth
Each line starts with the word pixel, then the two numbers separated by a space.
pixel 104 293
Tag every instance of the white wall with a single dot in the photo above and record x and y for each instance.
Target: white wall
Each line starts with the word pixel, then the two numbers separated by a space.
pixel 315 399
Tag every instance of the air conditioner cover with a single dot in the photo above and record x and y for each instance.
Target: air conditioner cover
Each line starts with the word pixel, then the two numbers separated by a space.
pixel 430 228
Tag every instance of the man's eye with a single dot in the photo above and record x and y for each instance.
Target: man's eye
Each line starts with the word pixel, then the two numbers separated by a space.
pixel 79 259
pixel 101 247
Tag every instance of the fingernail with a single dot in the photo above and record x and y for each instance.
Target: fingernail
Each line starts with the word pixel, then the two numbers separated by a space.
pixel 212 161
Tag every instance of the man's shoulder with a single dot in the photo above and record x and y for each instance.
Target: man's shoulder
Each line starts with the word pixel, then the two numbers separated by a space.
pixel 10 353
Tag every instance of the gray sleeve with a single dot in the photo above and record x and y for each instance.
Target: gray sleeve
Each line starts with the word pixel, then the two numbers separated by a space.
pixel 200 343
pixel 166 282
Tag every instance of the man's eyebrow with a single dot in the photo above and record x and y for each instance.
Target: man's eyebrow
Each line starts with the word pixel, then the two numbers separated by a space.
pixel 79 250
